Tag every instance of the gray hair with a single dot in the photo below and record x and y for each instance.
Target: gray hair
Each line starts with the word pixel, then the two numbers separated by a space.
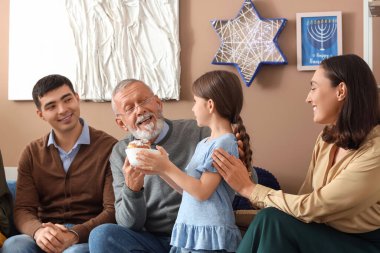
pixel 121 86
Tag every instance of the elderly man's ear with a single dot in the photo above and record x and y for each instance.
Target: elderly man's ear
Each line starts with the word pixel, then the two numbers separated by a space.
pixel 121 124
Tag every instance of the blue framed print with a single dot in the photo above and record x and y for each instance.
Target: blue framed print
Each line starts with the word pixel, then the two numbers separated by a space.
pixel 319 36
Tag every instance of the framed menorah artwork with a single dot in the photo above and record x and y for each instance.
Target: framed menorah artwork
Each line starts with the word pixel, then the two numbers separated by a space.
pixel 319 36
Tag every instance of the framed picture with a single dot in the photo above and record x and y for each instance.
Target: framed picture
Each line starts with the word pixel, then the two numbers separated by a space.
pixel 319 36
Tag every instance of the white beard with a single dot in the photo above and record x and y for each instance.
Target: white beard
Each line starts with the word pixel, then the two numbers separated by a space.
pixel 151 130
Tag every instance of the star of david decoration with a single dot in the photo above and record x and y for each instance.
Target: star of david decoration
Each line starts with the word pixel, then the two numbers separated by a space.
pixel 249 41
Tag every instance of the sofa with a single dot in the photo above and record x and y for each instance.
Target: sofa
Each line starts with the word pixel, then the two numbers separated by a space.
pixel 244 212
pixel 6 206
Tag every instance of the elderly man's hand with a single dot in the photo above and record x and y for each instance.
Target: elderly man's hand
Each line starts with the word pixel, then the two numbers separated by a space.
pixel 134 179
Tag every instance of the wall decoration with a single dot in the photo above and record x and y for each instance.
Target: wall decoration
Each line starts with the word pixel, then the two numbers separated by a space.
pixel 319 36
pixel 96 44
pixel 249 41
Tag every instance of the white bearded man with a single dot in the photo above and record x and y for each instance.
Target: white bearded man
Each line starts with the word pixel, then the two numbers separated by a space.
pixel 146 206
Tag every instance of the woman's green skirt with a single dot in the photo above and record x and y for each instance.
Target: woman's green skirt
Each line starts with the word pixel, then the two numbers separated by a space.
pixel 273 231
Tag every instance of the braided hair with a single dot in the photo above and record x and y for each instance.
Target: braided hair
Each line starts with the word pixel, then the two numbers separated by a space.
pixel 239 127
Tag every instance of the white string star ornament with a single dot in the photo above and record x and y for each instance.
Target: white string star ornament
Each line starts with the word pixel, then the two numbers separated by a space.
pixel 248 42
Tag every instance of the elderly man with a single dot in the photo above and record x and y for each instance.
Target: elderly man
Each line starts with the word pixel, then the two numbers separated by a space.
pixel 146 206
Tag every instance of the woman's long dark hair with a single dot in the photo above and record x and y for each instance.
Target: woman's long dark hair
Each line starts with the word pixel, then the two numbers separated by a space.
pixel 360 110
pixel 224 88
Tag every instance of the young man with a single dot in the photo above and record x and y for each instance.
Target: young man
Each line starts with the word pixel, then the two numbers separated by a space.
pixel 64 185
pixel 146 206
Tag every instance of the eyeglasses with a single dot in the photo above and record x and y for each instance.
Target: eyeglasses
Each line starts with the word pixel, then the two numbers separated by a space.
pixel 129 110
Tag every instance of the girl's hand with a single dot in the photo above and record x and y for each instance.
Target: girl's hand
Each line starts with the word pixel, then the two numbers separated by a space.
pixel 152 163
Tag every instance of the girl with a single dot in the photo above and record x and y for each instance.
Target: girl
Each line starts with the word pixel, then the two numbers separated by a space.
pixel 205 219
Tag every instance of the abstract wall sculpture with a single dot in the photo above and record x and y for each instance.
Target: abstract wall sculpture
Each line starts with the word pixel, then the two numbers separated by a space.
pixel 96 44
pixel 249 41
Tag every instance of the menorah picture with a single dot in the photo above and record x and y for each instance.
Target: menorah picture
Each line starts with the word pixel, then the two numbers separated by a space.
pixel 319 36
pixel 322 32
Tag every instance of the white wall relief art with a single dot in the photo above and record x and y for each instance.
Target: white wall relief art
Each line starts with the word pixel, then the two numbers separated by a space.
pixel 96 44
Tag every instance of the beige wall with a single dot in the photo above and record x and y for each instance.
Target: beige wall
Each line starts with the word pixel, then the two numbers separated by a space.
pixel 275 114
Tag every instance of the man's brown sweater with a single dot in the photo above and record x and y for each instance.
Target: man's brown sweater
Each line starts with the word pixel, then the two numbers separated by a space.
pixel 83 196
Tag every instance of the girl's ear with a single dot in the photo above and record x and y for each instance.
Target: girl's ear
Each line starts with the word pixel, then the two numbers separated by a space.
pixel 210 105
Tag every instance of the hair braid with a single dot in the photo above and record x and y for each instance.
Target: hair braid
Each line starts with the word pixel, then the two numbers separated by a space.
pixel 239 127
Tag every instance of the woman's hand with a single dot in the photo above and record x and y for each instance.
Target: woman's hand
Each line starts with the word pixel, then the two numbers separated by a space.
pixel 234 172
pixel 152 163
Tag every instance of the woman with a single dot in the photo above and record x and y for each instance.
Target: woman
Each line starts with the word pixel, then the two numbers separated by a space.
pixel 338 206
